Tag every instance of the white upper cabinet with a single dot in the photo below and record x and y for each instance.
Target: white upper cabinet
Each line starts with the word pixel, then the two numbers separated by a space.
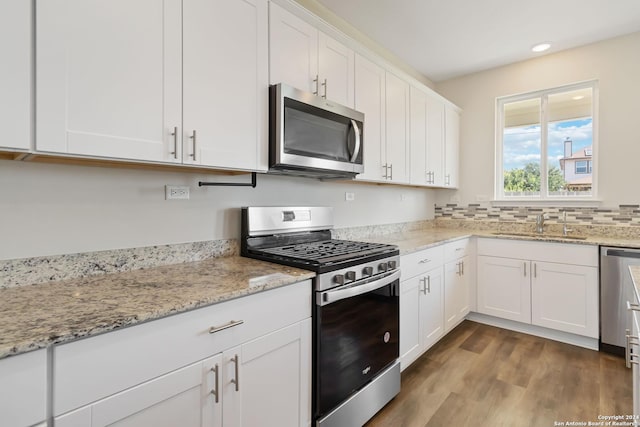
pixel 109 77
pixel 225 65
pixel 370 96
pixel 397 127
pixel 110 80
pixel 452 146
pixel 307 59
pixel 15 74
pixel 427 138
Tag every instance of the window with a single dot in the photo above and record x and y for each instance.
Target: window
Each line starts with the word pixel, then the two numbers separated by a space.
pixel 583 166
pixel 545 144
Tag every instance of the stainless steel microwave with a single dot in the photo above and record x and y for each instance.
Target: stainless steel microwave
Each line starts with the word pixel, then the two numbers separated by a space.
pixel 312 136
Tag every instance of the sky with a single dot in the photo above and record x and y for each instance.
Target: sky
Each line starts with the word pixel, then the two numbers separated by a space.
pixel 521 145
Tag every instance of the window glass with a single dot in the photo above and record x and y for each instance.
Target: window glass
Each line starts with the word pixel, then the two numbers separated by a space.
pixel 546 144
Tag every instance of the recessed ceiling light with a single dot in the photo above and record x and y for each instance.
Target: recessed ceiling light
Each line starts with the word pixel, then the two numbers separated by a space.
pixel 541 47
pixel 578 98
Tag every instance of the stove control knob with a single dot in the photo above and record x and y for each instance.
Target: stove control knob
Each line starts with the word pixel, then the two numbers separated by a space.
pixel 393 265
pixel 339 279
pixel 350 275
pixel 383 266
pixel 367 271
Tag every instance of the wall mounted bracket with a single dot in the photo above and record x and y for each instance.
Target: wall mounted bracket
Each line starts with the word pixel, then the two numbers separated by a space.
pixel 252 184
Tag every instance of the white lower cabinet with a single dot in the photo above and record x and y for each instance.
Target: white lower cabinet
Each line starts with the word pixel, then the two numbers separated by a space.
pixel 504 288
pixel 457 286
pixel 263 382
pixel 23 389
pixel 250 365
pixel 553 285
pixel 421 303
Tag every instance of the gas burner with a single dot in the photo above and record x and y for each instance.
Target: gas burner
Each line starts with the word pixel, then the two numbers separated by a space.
pixel 327 251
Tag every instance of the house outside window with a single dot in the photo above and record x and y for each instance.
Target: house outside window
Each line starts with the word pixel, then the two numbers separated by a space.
pixel 545 144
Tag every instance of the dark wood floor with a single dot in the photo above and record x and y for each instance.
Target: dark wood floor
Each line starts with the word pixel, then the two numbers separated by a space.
pixel 480 375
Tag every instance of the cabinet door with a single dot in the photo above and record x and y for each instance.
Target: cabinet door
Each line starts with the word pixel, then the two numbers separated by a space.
pixel 370 99
pixel 456 292
pixel 431 308
pixel 435 140
pixel 504 288
pixel 397 126
pixel 109 78
pixel 293 50
pixel 23 389
pixel 336 63
pixel 565 297
pixel 452 146
pixel 419 175
pixel 170 400
pixel 225 106
pixel 15 74
pixel 410 292
pixel 274 380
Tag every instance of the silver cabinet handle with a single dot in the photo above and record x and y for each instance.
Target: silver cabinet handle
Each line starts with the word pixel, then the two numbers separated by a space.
pixel 632 306
pixel 391 168
pixel 447 179
pixel 424 285
pixel 236 380
pixel 231 324
pixel 424 261
pixel 462 263
pixel 525 268
pixel 356 151
pixel 193 137
pixel 324 83
pixel 216 390
pixel 428 284
pixel 459 249
pixel 174 134
pixel 628 355
pixel 386 171
pixel 316 82
pixel 535 270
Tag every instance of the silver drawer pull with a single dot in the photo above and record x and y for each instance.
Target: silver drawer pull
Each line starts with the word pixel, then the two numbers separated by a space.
pixel 215 392
pixel 459 249
pixel 236 380
pixel 424 261
pixel 632 306
pixel 214 329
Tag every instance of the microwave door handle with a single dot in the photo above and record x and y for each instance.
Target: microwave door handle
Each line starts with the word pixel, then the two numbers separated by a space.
pixel 356 130
pixel 343 292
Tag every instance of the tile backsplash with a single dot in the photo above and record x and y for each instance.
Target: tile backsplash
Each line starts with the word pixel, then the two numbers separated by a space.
pixel 623 215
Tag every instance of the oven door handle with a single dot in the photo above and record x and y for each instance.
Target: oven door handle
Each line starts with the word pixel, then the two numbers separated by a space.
pixel 351 290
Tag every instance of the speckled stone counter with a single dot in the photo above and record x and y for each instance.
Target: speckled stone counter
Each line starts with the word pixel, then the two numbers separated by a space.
pixel 36 316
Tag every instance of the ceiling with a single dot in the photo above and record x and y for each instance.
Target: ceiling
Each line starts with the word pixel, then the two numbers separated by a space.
pixel 443 39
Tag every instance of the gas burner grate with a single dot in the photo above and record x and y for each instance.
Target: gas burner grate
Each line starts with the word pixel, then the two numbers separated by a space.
pixel 327 251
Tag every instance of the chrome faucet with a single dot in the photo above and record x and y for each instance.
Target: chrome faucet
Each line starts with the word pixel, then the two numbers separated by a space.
pixel 540 223
pixel 565 230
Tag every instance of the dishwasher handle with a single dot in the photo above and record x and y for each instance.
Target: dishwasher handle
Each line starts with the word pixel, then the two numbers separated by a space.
pixel 624 253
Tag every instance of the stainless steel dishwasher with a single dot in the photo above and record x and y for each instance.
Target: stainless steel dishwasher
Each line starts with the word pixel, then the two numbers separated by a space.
pixel 616 288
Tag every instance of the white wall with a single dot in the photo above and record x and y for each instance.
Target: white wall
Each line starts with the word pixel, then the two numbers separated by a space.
pixel 616 65
pixel 57 209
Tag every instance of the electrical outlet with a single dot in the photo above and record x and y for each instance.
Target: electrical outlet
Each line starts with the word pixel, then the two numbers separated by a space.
pixel 349 197
pixel 172 192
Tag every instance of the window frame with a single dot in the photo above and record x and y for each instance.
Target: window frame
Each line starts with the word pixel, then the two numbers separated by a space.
pixel 587 166
pixel 544 128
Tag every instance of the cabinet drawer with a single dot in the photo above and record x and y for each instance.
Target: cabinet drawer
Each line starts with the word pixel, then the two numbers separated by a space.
pixel 457 249
pixel 23 389
pixel 418 262
pixel 93 368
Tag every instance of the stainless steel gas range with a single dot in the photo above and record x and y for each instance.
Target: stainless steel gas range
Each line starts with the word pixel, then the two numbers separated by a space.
pixel 356 370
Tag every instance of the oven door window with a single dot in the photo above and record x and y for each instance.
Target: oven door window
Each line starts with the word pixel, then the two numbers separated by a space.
pixel 316 133
pixel 357 338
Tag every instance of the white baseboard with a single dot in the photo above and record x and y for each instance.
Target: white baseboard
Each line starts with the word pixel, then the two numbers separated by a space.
pixel 538 331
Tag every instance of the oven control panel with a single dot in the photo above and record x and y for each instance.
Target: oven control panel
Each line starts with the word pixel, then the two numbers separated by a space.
pixel 358 272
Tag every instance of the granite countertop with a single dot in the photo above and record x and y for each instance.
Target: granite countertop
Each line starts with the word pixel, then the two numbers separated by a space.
pixel 37 316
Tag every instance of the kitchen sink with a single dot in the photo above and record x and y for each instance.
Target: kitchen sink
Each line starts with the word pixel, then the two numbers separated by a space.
pixel 539 236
